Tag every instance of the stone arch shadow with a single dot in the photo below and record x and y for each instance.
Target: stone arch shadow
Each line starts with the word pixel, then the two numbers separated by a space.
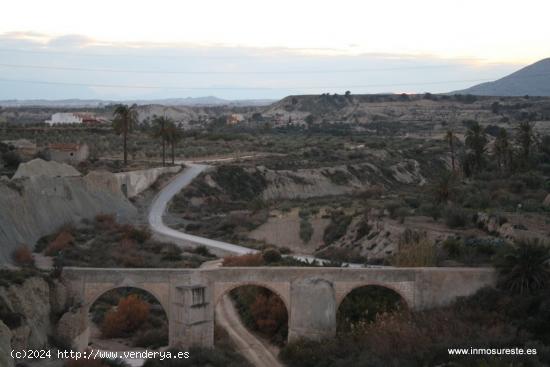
pixel 91 297
pixel 282 291
pixel 403 290
pixel 222 289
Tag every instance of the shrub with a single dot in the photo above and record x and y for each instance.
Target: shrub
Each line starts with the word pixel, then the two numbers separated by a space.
pixel 271 255
pixel 414 250
pixel 456 217
pixel 306 230
pixel 11 159
pixel 130 313
pixel 203 251
pixel 337 227
pixel 239 183
pixel 139 235
pixel 62 241
pixel 256 259
pixel 105 221
pixel 364 304
pixel 262 311
pixel 23 256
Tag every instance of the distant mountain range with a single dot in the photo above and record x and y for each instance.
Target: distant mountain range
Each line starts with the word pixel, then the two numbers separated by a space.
pixel 532 80
pixel 189 101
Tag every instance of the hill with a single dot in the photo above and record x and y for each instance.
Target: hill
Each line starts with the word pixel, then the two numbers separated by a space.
pixel 532 80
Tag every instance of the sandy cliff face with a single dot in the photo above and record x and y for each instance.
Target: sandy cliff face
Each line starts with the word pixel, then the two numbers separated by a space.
pixel 5 346
pixel 30 306
pixel 35 206
pixel 31 300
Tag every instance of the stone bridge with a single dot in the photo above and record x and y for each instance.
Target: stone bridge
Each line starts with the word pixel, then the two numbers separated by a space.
pixel 311 295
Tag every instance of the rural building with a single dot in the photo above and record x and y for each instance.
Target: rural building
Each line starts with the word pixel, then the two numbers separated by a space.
pixel 61 118
pixel 68 153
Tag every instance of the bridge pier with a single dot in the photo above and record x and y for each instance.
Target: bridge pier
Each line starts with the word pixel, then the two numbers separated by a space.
pixel 313 310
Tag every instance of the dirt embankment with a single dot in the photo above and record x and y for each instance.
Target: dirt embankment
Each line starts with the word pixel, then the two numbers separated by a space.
pixel 36 205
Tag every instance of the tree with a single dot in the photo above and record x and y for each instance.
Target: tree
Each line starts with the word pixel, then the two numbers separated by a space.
pixel 444 188
pixel 450 139
pixel 502 150
pixel 161 131
pixel 125 118
pixel 476 142
pixel 173 136
pixel 523 268
pixel 525 138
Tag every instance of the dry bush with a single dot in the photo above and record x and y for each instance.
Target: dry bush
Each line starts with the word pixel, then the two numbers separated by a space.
pixel 127 244
pixel 414 250
pixel 244 260
pixel 139 235
pixel 130 313
pixel 269 313
pixel 23 256
pixel 63 240
pixel 420 334
pixel 105 221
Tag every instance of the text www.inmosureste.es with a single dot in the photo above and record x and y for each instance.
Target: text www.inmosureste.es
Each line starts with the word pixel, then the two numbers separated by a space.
pixel 492 351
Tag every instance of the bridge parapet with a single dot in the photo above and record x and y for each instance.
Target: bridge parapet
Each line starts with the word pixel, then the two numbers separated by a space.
pixel 312 295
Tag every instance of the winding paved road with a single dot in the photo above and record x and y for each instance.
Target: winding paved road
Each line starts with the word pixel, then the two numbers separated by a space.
pixel 160 203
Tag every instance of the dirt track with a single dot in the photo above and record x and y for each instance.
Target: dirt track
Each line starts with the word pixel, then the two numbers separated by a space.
pixel 246 343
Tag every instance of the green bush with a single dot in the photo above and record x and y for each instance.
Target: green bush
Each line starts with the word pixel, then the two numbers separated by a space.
pixel 337 227
pixel 306 230
pixel 456 217
pixel 271 255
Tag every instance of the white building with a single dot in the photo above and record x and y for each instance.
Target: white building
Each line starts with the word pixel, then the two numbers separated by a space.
pixel 64 118
pixel 73 118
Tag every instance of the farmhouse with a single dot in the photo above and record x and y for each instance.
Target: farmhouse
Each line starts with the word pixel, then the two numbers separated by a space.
pixel 73 118
pixel 68 153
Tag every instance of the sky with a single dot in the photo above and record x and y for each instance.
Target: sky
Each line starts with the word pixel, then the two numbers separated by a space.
pixel 243 49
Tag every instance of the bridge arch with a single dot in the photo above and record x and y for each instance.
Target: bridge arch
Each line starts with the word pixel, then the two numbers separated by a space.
pixel 403 289
pixel 91 299
pixel 364 302
pixel 282 290
pixel 91 292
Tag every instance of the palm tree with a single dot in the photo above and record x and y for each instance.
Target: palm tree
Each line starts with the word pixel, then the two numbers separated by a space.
pixel 444 187
pixel 524 267
pixel 525 139
pixel 476 141
pixel 125 118
pixel 160 130
pixel 450 139
pixel 502 149
pixel 173 136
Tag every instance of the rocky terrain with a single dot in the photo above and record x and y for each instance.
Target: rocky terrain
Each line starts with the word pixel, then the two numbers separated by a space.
pixel 34 204
pixel 31 305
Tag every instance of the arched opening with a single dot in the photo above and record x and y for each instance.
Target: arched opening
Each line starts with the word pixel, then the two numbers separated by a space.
pixel 251 315
pixel 127 318
pixel 124 189
pixel 363 304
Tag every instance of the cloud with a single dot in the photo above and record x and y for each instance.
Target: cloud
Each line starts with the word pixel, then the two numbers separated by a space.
pixel 81 67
